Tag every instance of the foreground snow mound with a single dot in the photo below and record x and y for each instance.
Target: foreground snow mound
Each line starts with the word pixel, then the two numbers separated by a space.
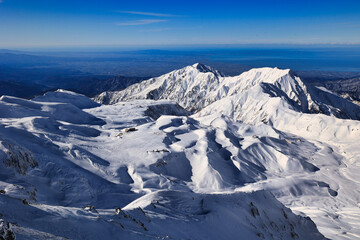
pixel 162 215
pixel 141 174
pixel 219 216
pixel 64 96
pixel 12 107
pixel 196 87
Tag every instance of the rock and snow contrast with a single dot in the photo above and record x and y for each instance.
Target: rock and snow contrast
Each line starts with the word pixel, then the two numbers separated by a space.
pixel 192 154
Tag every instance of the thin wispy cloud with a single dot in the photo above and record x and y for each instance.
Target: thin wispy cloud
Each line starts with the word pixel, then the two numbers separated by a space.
pixel 140 22
pixel 155 30
pixel 149 14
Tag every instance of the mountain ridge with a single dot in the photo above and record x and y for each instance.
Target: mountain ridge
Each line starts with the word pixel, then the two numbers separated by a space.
pixel 197 86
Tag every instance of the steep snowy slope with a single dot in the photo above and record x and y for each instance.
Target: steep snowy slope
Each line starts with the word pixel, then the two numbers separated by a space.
pixel 124 171
pixel 328 193
pixel 197 86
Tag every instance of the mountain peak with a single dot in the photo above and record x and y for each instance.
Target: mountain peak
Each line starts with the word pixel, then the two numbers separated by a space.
pixel 204 69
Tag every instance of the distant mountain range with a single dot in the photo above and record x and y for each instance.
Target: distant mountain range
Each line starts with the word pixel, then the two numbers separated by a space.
pixel 348 88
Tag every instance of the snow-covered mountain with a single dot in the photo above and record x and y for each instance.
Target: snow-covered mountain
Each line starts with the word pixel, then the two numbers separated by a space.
pixel 150 169
pixel 198 86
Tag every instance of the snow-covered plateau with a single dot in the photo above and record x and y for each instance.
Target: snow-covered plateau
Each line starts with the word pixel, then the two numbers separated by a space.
pixel 192 154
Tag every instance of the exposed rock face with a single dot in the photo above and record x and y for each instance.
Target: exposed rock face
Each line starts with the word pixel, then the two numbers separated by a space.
pixel 19 158
pixel 349 88
pixel 6 232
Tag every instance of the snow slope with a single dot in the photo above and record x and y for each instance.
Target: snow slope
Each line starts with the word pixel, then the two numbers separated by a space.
pixel 325 185
pixel 131 175
pixel 64 96
pixel 261 154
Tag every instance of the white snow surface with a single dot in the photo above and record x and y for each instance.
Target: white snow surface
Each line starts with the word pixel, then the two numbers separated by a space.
pixel 263 157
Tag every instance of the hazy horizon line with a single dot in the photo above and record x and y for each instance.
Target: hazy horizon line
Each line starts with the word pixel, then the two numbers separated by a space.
pixel 176 46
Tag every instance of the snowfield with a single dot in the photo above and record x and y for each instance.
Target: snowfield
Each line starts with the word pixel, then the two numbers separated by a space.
pixel 192 154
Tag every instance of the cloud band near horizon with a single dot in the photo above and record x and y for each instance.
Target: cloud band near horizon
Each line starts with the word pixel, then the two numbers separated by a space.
pixel 148 14
pixel 140 22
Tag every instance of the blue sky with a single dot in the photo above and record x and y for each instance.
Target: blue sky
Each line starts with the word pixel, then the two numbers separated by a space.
pixel 53 23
